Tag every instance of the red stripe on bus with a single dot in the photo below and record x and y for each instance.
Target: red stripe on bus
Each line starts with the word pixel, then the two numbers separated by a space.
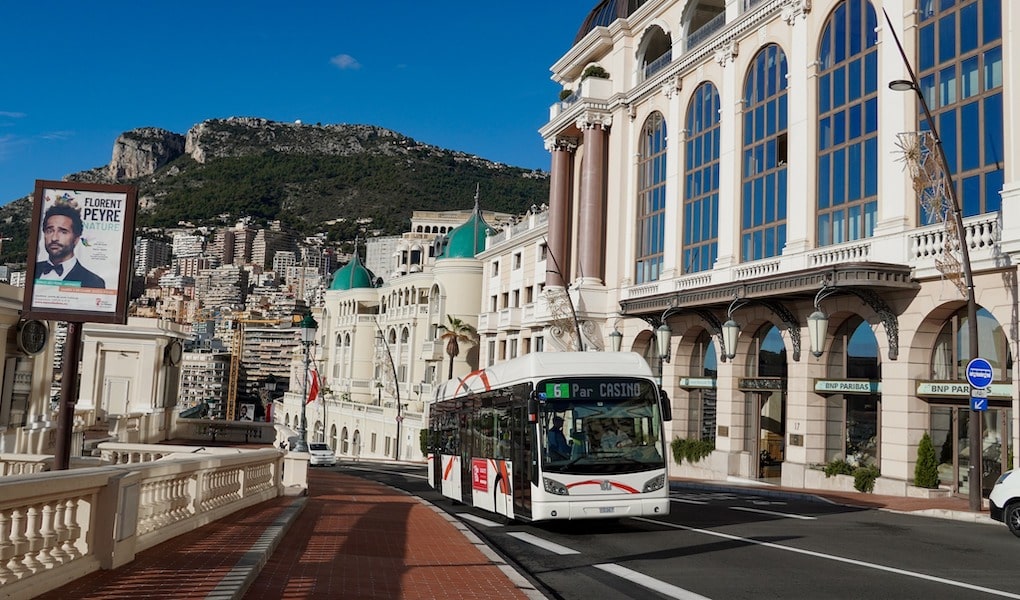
pixel 504 479
pixel 480 374
pixel 446 471
pixel 598 482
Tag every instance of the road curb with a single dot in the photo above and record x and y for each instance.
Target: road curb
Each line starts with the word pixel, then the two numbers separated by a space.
pixel 235 584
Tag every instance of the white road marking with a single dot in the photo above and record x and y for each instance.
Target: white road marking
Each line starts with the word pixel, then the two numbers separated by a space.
pixel 688 501
pixel 773 513
pixel 478 520
pixel 653 584
pixel 849 561
pixel 545 545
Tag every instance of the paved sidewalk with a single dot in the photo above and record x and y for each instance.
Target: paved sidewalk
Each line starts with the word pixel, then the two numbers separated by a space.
pixel 360 539
pixel 349 538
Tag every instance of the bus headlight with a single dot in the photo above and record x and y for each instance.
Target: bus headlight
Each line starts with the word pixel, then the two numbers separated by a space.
pixel 655 483
pixel 554 487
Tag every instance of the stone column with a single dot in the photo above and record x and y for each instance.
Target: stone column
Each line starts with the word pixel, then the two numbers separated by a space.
pixel 558 262
pixel 591 233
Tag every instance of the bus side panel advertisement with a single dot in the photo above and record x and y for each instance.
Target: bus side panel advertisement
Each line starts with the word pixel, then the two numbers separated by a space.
pixel 480 474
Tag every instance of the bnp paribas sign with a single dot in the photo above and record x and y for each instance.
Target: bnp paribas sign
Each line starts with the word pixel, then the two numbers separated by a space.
pixel 960 389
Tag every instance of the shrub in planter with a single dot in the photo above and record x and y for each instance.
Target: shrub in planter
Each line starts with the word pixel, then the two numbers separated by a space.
pixel 926 471
pixel 692 450
pixel 864 478
pixel 595 71
pixel 838 467
pixel 565 93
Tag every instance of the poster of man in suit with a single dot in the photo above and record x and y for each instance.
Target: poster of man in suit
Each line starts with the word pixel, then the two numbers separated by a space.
pixel 82 241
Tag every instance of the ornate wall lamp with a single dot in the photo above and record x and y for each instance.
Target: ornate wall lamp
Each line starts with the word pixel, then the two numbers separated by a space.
pixel 818 321
pixel 731 329
pixel 616 339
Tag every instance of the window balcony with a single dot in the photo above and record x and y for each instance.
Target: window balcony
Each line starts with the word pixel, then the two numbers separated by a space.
pixel 591 90
pixel 510 318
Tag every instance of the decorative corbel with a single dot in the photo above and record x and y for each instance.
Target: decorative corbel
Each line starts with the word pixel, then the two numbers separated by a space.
pixel 795 8
pixel 727 52
pixel 672 86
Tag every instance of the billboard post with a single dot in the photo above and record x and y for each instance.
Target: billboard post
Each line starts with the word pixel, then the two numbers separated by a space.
pixel 79 271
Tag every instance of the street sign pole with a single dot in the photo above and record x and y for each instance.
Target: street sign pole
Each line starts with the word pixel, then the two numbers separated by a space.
pixel 979 376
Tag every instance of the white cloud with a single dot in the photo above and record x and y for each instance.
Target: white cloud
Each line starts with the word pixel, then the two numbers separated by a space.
pixel 345 62
pixel 12 114
pixel 56 135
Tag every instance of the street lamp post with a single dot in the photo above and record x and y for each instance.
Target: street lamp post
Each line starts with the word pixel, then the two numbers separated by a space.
pixel 308 328
pixel 381 339
pixel 974 430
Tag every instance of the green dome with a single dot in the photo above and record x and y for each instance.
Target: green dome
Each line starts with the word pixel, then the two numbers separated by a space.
pixel 467 240
pixel 352 275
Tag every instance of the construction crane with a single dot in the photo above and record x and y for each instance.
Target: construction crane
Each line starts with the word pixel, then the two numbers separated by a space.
pixel 236 350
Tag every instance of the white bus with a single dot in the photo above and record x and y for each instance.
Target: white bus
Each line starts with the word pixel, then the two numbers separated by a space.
pixel 495 443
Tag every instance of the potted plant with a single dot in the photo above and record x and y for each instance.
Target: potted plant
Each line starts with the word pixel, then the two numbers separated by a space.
pixel 595 71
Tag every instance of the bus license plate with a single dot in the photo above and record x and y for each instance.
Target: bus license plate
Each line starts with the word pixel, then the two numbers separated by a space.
pixel 607 509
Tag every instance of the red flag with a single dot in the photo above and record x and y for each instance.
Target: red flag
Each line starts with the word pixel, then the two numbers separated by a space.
pixel 313 387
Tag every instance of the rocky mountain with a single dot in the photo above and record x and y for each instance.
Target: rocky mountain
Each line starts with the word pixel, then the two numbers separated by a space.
pixel 341 179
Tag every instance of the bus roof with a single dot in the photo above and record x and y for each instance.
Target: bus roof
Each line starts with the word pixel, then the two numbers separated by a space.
pixel 541 365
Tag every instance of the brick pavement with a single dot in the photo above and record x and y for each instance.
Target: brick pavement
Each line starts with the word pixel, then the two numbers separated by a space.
pixel 349 538
pixel 360 539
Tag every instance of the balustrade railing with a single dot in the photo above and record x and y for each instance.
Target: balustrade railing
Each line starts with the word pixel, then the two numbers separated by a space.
pixel 58 526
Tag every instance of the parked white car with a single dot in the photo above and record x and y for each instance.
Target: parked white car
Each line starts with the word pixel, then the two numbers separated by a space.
pixel 1004 501
pixel 321 455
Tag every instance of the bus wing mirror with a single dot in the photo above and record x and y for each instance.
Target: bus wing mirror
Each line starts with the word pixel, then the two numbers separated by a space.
pixel 665 406
pixel 533 408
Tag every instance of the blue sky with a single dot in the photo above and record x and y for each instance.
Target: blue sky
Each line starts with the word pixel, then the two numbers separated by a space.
pixel 470 76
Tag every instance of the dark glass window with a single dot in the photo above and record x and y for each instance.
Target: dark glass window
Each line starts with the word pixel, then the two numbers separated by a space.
pixel 763 232
pixel 651 206
pixel 701 192
pixel 848 125
pixel 960 70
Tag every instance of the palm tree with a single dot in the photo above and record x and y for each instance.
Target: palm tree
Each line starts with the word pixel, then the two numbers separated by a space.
pixel 455 333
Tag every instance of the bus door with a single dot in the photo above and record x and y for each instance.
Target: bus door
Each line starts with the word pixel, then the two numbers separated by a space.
pixel 467 443
pixel 522 460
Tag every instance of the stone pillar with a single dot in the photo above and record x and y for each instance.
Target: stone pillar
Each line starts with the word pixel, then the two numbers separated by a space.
pixel 591 227
pixel 558 262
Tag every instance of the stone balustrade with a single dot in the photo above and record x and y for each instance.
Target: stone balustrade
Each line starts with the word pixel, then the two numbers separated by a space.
pixel 61 525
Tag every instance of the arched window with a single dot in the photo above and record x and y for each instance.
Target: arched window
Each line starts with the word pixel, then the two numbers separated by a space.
pixel 950 355
pixel 959 46
pixel 651 205
pixel 658 51
pixel 701 181
pixel 763 172
pixel 848 125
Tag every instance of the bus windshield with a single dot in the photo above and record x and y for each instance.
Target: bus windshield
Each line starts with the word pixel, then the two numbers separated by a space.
pixel 600 426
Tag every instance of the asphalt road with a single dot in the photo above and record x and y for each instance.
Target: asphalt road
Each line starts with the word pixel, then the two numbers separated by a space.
pixel 734 545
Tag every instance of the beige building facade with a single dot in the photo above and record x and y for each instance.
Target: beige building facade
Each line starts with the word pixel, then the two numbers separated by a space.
pixel 740 166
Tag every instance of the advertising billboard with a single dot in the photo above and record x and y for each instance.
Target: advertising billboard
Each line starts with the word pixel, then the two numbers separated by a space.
pixel 80 245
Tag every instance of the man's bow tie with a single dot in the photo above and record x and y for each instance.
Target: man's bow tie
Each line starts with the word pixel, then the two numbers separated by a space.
pixel 46 268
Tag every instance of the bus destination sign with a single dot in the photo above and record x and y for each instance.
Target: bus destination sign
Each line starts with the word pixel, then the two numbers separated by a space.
pixel 593 389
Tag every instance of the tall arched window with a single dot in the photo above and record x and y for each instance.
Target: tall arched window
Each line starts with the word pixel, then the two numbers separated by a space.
pixel 848 124
pixel 959 46
pixel 763 173
pixel 701 181
pixel 651 205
